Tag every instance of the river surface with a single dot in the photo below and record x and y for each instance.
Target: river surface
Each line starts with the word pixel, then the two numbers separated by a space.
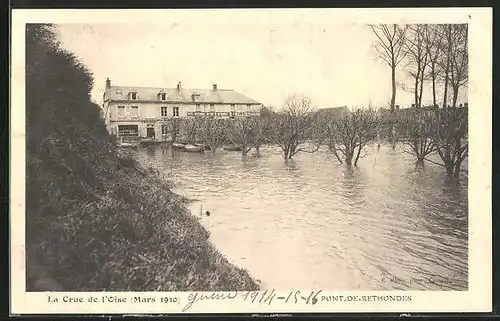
pixel 312 223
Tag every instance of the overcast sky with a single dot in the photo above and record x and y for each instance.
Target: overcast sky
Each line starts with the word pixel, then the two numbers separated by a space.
pixel 332 64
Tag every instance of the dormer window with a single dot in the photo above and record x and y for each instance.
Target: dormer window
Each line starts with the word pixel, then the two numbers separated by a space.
pixel 133 95
pixel 163 96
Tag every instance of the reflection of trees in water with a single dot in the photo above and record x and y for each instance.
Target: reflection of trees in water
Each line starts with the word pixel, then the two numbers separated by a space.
pixel 151 151
pixel 353 184
pixel 441 199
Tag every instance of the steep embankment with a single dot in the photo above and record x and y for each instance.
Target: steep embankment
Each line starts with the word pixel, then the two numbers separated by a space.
pixel 94 220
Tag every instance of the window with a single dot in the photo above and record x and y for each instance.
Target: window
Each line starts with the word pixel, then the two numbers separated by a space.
pixel 121 111
pixel 164 111
pixel 176 112
pixel 233 107
pixel 212 108
pixel 133 95
pixel 249 107
pixel 163 96
pixel 119 91
pixel 134 111
pixel 198 107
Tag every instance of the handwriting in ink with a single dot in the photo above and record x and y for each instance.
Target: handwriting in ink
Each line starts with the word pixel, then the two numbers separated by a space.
pixel 196 297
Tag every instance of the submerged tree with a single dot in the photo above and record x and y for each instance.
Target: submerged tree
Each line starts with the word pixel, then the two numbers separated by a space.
pixel 451 138
pixel 212 132
pixel 294 127
pixel 247 133
pixel 191 129
pixel 420 126
pixel 348 135
pixel 172 130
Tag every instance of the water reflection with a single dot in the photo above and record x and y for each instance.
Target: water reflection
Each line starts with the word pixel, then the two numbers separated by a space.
pixel 310 222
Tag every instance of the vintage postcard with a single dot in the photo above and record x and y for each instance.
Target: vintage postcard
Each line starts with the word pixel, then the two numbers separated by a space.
pixel 251 161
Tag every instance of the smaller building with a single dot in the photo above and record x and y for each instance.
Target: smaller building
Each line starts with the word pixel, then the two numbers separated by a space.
pixel 334 112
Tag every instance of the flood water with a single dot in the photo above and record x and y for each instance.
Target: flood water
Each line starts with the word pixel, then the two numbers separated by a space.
pixel 315 224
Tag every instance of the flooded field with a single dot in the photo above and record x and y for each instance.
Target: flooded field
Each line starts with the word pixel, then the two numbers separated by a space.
pixel 312 223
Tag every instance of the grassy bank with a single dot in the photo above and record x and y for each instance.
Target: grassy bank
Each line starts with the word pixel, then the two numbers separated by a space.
pixel 95 220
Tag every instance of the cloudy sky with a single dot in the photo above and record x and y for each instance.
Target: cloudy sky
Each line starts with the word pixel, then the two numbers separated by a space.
pixel 333 64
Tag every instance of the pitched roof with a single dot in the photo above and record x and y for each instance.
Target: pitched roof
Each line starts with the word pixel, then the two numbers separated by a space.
pixel 183 95
pixel 334 111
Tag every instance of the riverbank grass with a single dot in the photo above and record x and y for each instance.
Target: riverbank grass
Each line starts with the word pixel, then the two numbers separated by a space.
pixel 95 220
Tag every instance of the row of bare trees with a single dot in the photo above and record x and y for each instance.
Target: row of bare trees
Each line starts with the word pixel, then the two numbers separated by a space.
pixel 430 54
pixel 436 131
pixel 299 127
pixel 247 133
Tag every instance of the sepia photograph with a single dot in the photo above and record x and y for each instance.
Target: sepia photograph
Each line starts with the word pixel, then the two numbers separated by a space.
pixel 216 155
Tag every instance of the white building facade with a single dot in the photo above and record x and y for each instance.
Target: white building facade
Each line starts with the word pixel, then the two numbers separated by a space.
pixel 145 112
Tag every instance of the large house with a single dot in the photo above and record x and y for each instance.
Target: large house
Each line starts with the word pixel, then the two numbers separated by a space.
pixel 145 112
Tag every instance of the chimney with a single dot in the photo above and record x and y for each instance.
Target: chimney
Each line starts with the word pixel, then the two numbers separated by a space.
pixel 108 83
pixel 412 105
pixel 215 87
pixel 179 86
pixel 397 107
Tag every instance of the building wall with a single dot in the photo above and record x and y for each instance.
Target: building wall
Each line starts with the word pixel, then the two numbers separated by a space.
pixel 153 110
pixel 149 114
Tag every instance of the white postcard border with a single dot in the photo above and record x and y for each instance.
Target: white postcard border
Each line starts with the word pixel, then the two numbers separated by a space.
pixel 476 299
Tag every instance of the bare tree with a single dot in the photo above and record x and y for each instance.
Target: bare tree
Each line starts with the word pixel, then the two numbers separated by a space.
pixel 348 135
pixel 172 128
pixel 417 57
pixel 247 133
pixel 212 132
pixel 451 138
pixel 433 48
pixel 389 46
pixel 459 60
pixel 191 128
pixel 294 128
pixel 420 126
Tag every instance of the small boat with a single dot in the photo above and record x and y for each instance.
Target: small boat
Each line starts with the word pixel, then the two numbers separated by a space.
pixel 232 148
pixel 193 148
pixel 178 146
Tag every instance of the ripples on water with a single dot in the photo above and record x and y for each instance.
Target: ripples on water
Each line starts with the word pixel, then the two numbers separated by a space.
pixel 313 223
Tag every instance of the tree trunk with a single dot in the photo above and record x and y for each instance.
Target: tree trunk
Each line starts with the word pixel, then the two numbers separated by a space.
pixel 357 156
pixel 456 171
pixel 455 96
pixel 415 91
pixel 450 168
pixel 447 69
pixel 421 90
pixel 433 89
pixel 393 102
pixel 393 83
pixel 349 154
